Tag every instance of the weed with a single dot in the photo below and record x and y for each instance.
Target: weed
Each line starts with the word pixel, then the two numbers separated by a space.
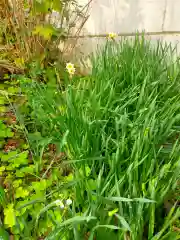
pixel 28 181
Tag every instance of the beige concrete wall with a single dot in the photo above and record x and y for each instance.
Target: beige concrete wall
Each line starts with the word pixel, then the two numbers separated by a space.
pixel 132 15
pixel 159 18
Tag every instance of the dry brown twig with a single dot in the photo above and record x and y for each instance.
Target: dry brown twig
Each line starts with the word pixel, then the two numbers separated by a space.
pixel 25 45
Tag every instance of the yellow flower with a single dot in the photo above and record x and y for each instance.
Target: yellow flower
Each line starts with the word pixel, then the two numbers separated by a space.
pixel 72 71
pixel 146 131
pixel 112 35
pixel 70 68
pixel 111 213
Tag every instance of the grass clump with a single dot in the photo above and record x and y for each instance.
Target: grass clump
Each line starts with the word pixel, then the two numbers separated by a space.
pixel 119 130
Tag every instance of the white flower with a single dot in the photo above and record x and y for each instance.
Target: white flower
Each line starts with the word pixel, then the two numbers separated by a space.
pixel 70 68
pixel 59 203
pixel 68 202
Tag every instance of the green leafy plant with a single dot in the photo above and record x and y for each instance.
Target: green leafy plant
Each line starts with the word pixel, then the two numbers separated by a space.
pixel 29 187
pixel 121 138
pixel 28 183
pixel 5 131
pixel 28 192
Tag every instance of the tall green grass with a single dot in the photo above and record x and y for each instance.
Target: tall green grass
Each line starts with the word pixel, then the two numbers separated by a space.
pixel 120 129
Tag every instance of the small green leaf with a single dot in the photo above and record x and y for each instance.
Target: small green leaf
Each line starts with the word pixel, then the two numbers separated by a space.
pixel 9 133
pixel 8 157
pixel 25 146
pixel 57 5
pixel 123 222
pixel 24 154
pixel 2 100
pixel 92 184
pixel 44 31
pixel 16 183
pixel 4 235
pixel 2 169
pixel 69 178
pixel 40 6
pixel 85 171
pixel 21 193
pixel 19 174
pixel 9 216
pixel 13 90
pixel 27 170
pixel 39 186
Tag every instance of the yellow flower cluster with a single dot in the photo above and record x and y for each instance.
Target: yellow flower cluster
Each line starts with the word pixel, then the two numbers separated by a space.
pixel 70 69
pixel 112 35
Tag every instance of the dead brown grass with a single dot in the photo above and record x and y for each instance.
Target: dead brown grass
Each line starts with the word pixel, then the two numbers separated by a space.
pixel 18 44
